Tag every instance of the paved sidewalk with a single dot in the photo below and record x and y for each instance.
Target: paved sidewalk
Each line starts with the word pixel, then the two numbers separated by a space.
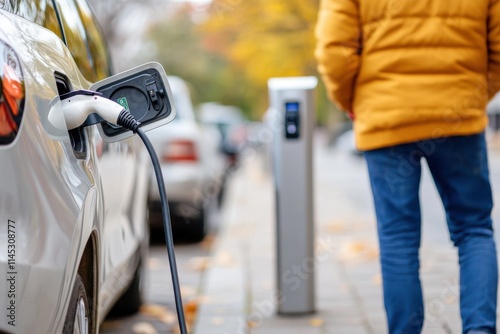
pixel 238 289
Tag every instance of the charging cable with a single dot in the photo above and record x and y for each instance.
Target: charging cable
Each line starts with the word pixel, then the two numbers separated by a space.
pixel 77 107
pixel 126 120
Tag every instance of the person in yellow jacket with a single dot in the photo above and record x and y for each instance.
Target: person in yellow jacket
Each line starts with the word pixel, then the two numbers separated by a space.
pixel 416 77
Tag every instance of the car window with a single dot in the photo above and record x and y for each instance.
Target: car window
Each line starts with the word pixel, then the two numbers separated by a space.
pixel 95 40
pixel 40 12
pixel 182 99
pixel 76 38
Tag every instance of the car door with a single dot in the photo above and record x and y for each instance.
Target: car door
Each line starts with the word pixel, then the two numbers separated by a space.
pixel 52 187
pixel 44 187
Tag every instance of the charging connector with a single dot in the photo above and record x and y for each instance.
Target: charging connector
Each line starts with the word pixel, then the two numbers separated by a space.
pixel 78 105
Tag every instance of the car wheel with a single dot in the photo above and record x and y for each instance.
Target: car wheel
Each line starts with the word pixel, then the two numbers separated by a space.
pixel 131 300
pixel 205 222
pixel 78 316
pixel 196 228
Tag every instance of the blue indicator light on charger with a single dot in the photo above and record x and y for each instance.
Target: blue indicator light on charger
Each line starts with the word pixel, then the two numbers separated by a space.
pixel 292 106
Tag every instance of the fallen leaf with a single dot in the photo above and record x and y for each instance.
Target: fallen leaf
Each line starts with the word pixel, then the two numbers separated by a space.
pixel 335 227
pixel 316 322
pixel 199 263
pixel 208 241
pixel 144 328
pixel 356 251
pixel 191 310
pixel 187 291
pixel 357 247
pixel 153 310
pixel 153 264
pixel 205 299
pixel 224 259
pixel 252 324
pixel 168 318
pixel 191 306
pixel 159 312
pixel 217 321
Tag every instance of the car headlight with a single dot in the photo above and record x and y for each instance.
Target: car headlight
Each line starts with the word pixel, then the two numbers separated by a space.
pixel 11 94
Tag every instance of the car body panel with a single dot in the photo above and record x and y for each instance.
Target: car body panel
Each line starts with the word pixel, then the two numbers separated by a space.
pixel 56 200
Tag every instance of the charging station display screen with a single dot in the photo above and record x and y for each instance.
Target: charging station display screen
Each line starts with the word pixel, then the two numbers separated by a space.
pixel 292 107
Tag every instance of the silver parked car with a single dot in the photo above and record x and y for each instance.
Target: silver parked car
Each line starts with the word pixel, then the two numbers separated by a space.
pixel 72 207
pixel 193 167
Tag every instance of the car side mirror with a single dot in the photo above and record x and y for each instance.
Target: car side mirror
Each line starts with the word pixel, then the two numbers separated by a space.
pixel 145 92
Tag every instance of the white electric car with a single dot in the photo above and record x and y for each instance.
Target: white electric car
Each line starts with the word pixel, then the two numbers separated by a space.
pixel 72 207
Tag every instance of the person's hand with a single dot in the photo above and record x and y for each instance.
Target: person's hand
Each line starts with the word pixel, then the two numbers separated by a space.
pixel 351 116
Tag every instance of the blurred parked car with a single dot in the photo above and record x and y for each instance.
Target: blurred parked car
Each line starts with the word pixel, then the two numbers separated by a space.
pixel 193 168
pixel 230 123
pixel 72 208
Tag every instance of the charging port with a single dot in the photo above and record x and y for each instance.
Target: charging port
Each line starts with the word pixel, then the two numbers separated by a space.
pixel 77 136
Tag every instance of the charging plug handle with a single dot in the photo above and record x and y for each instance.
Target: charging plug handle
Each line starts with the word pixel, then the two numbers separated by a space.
pixel 80 104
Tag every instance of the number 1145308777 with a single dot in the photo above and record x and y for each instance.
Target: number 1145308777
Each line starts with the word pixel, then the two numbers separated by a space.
pixel 11 245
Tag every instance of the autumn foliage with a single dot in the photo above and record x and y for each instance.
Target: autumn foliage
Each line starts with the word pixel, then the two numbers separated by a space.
pixel 235 46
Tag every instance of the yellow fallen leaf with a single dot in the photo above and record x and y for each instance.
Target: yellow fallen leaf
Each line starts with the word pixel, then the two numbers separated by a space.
pixel 159 312
pixel 316 322
pixel 205 299
pixel 153 310
pixel 208 241
pixel 187 291
pixel 225 259
pixel 144 328
pixel 357 247
pixel 217 321
pixel 168 318
pixel 356 251
pixel 153 264
pixel 335 227
pixel 252 324
pixel 199 263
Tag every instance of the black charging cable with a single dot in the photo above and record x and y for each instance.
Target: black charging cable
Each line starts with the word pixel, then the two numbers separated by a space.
pixel 126 120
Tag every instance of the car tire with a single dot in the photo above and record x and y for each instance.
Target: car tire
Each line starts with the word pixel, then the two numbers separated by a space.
pixel 131 300
pixel 196 228
pixel 78 317
pixel 204 223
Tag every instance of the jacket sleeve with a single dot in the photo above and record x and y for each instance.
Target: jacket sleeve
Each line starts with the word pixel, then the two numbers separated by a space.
pixel 494 47
pixel 338 48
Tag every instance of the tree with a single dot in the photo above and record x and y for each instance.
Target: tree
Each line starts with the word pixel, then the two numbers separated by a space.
pixel 263 39
pixel 179 48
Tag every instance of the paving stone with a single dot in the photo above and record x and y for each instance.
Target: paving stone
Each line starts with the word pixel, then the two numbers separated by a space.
pixel 220 325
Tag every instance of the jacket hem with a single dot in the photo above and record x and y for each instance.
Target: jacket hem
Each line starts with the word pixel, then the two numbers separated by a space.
pixel 415 132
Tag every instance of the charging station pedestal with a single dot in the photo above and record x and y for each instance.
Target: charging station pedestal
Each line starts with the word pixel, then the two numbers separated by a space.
pixel 293 111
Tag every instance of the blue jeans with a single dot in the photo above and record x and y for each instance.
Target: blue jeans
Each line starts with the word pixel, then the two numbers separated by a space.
pixel 459 167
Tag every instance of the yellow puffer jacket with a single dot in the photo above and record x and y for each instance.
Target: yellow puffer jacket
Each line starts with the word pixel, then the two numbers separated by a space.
pixel 410 69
